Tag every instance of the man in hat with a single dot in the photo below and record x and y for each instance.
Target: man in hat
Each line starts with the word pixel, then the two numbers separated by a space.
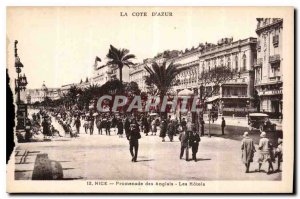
pixel 194 142
pixel 223 124
pixel 184 139
pixel 248 150
pixel 133 137
pixel 77 124
pixel 163 130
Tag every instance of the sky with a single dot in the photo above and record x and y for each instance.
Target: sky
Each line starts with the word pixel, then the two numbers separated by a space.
pixel 58 45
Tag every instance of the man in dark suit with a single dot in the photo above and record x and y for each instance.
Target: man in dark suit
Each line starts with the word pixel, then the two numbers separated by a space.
pixel 133 137
pixel 223 124
pixel 184 139
pixel 194 143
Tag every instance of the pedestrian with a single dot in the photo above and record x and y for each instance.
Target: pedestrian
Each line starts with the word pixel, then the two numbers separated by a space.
pixel 171 130
pixel 183 123
pixel 91 124
pixel 223 124
pixel 99 125
pixel 184 139
pixel 146 126
pixel 77 124
pixel 265 156
pixel 127 126
pixel 163 130
pixel 202 127
pixel 194 142
pixel 133 137
pixel 248 150
pixel 107 127
pixel 46 127
pixel 154 126
pixel 120 128
pixel 278 154
pixel 28 128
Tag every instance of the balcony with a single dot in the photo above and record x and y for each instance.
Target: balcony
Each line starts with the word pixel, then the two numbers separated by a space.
pixel 275 40
pixel 270 92
pixel 258 62
pixel 275 79
pixel 274 59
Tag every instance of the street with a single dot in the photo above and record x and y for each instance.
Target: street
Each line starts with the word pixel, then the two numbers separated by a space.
pixel 107 157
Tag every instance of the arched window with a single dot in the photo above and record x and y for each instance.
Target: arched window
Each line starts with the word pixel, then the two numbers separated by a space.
pixel 221 62
pixel 244 62
pixel 236 63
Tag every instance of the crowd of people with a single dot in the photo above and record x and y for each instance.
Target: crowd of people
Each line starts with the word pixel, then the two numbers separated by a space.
pixel 132 126
pixel 267 152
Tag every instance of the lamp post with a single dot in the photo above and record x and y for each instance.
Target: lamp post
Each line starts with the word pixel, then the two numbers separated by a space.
pixel 20 84
pixel 21 81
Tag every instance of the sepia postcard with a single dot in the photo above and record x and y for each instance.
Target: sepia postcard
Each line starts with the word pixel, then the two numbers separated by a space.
pixel 151 99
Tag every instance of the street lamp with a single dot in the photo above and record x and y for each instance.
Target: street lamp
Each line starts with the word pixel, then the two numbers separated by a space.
pixel 21 81
pixel 20 84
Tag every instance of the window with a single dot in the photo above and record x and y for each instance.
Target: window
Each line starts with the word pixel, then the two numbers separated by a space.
pixel 244 62
pixel 236 63
pixel 221 62
pixel 228 62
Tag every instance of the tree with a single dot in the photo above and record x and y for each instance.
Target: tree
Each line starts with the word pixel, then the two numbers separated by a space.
pixel 215 77
pixel 162 76
pixel 91 92
pixel 132 87
pixel 120 58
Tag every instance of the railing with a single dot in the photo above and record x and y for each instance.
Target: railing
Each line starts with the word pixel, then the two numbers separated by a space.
pixel 275 78
pixel 274 58
pixel 270 92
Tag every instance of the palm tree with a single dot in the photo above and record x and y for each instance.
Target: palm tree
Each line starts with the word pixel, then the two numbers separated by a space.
pixel 163 77
pixel 120 57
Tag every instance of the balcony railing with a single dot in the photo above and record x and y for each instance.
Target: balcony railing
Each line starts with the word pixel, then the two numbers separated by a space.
pixel 270 92
pixel 275 79
pixel 274 59
pixel 275 40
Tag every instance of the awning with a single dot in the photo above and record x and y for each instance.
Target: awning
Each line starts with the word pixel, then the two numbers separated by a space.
pixel 213 98
pixel 185 92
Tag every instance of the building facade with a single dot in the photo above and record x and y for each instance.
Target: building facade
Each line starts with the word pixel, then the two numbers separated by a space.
pixel 268 66
pixel 236 93
pixel 39 95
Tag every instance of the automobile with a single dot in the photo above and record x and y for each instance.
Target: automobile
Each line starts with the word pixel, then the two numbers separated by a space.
pixel 261 122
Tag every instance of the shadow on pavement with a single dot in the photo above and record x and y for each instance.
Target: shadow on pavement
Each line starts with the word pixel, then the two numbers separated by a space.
pixel 145 160
pixel 203 159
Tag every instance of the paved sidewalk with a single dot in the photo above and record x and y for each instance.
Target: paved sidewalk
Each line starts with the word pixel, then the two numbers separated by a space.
pixel 108 157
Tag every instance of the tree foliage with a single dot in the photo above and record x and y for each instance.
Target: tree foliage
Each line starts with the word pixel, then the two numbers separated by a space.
pixel 162 76
pixel 215 77
pixel 120 58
